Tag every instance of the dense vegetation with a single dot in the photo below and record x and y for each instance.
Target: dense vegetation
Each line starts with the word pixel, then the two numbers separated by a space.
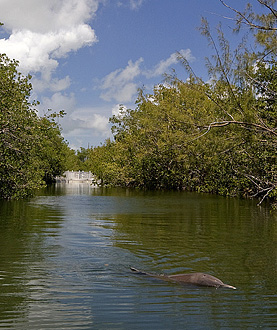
pixel 217 136
pixel 32 150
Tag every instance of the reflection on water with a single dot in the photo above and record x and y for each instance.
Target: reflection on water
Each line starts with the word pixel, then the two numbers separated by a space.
pixel 65 257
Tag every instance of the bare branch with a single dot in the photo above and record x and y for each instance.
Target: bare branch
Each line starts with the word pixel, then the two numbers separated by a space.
pixel 206 31
pixel 248 22
pixel 242 123
pixel 273 11
pixel 265 195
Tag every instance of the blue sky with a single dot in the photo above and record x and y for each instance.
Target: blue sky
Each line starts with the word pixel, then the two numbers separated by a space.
pixel 88 56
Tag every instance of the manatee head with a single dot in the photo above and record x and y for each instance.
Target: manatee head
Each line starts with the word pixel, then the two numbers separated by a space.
pixel 209 280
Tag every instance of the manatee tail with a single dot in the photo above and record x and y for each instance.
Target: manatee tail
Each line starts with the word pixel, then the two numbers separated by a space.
pixel 141 272
pixel 228 286
pixel 134 270
pixel 138 271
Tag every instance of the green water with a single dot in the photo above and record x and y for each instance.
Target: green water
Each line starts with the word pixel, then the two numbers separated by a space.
pixel 65 257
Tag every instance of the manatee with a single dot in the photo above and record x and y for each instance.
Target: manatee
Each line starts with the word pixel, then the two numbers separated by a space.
pixel 200 279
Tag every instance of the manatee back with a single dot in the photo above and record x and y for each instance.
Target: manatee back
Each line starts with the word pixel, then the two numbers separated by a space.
pixel 198 279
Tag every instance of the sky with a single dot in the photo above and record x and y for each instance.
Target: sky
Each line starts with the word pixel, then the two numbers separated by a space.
pixel 88 57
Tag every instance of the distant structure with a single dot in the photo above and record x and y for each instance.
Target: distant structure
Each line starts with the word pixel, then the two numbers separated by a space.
pixel 77 177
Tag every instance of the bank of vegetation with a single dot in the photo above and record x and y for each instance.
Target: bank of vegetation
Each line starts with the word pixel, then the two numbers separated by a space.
pixel 217 136
pixel 32 149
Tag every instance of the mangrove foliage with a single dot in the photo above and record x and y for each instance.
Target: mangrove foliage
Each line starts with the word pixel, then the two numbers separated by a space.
pixel 32 149
pixel 215 136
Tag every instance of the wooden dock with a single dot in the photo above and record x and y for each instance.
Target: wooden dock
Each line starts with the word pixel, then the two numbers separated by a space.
pixel 77 177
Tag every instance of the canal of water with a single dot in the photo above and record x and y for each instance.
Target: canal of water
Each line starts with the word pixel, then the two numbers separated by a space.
pixel 65 256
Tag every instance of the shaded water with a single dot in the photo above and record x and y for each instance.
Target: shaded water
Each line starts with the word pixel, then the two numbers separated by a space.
pixel 65 257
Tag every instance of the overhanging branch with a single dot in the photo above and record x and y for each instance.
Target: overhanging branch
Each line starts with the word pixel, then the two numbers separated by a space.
pixel 242 123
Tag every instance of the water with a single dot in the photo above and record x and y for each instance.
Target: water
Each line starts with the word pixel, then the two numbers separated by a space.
pixel 65 257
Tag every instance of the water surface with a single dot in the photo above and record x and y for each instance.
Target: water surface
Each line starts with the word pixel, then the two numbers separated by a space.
pixel 65 257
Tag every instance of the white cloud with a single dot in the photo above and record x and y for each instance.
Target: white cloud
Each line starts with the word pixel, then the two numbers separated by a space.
pixel 53 84
pixel 58 101
pixel 119 85
pixel 133 4
pixel 43 16
pixel 99 124
pixel 42 32
pixel 164 65
pixel 84 123
pixel 79 123
pixel 118 109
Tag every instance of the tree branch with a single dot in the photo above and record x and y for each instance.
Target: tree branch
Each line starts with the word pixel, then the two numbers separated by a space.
pixel 241 123
pixel 248 22
pixel 273 11
pixel 265 195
